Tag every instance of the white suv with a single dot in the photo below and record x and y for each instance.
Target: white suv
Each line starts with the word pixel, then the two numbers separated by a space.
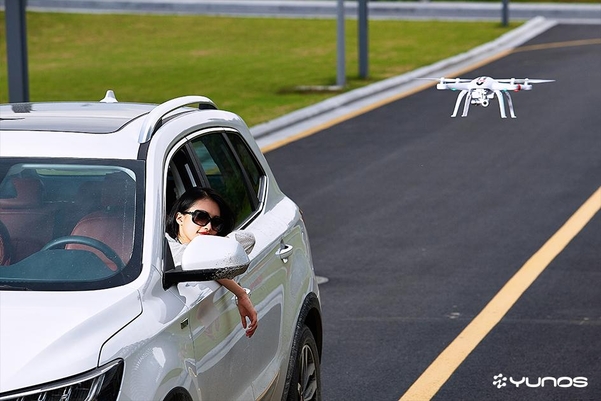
pixel 91 305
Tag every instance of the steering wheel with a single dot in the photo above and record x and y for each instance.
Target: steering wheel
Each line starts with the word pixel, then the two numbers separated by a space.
pixel 91 242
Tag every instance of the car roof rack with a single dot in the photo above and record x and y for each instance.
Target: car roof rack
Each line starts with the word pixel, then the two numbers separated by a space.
pixel 154 119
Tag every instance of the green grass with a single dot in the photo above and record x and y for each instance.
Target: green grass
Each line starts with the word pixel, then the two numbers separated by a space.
pixel 250 66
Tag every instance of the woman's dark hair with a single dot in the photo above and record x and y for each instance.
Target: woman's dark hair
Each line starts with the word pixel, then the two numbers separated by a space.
pixel 191 196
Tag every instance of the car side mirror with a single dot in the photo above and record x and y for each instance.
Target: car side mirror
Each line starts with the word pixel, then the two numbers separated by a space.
pixel 208 258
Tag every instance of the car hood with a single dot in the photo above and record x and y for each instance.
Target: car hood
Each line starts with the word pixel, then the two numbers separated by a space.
pixel 45 336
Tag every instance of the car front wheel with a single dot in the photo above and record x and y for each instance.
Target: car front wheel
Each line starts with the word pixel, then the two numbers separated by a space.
pixel 306 380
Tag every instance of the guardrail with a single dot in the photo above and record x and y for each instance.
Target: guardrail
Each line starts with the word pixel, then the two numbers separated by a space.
pixel 328 8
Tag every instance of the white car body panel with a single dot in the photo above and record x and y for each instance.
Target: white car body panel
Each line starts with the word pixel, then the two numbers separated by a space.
pixel 39 329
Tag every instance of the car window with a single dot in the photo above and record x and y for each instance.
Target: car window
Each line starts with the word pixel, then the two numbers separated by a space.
pixel 234 174
pixel 68 226
pixel 182 174
pixel 249 163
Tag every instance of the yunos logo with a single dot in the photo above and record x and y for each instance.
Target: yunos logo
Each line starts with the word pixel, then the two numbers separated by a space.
pixel 562 382
pixel 500 380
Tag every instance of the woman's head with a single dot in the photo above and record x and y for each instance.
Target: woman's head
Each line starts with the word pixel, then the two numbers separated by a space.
pixel 199 211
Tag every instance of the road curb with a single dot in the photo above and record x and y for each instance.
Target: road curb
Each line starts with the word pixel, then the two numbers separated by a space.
pixel 405 82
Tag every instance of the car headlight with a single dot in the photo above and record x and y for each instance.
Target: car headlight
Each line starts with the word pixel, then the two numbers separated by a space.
pixel 100 384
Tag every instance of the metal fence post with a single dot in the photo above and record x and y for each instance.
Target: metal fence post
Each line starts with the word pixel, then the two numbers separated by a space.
pixel 341 64
pixel 505 13
pixel 362 30
pixel 16 50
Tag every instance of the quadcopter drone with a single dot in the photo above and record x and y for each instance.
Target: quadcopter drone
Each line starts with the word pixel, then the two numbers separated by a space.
pixel 481 90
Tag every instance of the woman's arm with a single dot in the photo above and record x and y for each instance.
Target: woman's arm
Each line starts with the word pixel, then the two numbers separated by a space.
pixel 245 306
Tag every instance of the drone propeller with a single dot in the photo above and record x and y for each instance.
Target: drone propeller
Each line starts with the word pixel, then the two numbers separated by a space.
pixel 443 80
pixel 525 81
pixel 537 81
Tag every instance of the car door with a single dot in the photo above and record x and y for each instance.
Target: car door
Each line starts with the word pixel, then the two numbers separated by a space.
pixel 229 365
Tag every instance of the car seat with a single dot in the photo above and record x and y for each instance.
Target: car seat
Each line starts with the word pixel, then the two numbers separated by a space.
pixel 114 223
pixel 29 221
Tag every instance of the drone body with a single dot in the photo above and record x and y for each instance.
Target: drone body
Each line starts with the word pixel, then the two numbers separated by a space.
pixel 482 90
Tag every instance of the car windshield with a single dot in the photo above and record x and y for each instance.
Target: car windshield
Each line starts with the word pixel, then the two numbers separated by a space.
pixel 69 225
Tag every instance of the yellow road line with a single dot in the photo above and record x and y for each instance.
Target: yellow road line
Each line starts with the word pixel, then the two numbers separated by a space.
pixel 554 45
pixel 435 376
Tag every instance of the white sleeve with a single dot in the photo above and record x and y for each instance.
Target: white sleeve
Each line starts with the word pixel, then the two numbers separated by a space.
pixel 177 250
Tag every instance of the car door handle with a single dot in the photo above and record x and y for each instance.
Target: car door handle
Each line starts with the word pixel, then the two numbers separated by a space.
pixel 284 252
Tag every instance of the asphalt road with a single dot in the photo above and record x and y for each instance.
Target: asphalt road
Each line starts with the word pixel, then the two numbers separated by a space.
pixel 418 220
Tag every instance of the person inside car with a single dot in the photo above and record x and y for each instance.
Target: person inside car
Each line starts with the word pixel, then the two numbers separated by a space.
pixel 202 211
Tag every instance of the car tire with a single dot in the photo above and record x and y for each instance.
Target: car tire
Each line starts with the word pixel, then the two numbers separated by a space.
pixel 305 383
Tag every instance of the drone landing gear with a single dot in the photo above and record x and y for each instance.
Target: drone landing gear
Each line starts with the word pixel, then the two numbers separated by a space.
pixel 468 99
pixel 466 105
pixel 500 95
pixel 510 104
pixel 458 102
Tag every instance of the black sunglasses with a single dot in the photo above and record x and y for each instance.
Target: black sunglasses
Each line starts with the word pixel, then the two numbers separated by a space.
pixel 202 218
